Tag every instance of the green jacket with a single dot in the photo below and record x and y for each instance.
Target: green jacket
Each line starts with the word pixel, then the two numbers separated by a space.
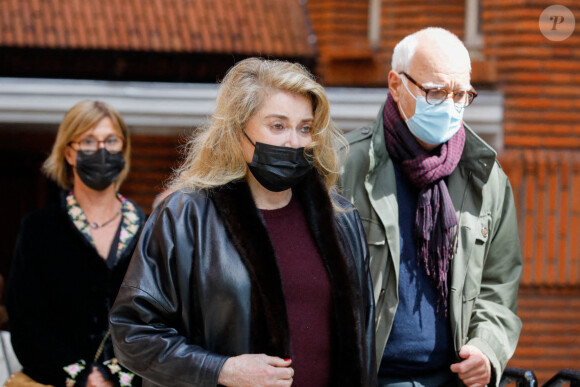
pixel 486 269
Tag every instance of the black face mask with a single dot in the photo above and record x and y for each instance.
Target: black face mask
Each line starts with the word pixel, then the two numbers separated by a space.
pixel 278 168
pixel 100 169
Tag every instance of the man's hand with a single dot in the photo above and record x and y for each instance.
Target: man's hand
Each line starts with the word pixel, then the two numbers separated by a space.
pixel 474 370
pixel 256 371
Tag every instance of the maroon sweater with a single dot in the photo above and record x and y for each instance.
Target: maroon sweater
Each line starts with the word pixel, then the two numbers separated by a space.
pixel 307 293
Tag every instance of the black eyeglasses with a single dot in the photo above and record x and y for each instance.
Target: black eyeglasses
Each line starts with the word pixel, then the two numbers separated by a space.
pixel 90 145
pixel 438 95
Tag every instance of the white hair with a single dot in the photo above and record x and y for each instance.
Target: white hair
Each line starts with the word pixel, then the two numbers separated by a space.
pixel 405 49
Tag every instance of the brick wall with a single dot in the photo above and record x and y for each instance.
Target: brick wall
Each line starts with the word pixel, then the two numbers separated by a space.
pixel 550 338
pixel 152 161
pixel 546 183
pixel 346 57
pixel 540 77
pixel 540 81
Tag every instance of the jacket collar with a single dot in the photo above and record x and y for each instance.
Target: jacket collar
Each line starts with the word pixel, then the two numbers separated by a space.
pixel 477 157
pixel 270 331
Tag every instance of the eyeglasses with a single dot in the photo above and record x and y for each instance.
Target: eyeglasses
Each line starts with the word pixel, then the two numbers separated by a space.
pixel 90 145
pixel 438 95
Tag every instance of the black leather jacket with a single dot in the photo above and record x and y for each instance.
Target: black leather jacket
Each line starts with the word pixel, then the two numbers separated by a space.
pixel 204 285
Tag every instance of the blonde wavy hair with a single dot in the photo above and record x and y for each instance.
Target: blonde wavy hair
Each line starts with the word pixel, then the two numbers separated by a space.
pixel 213 154
pixel 83 116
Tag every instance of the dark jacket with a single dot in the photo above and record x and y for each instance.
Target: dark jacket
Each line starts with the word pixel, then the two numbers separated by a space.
pixel 59 294
pixel 204 285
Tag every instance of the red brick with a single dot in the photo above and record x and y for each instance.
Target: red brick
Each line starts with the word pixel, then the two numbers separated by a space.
pixel 522 64
pixel 498 15
pixel 564 78
pixel 569 116
pixel 529 128
pixel 529 103
pixel 526 38
pixel 526 90
pixel 521 141
pixel 561 65
pixel 562 103
pixel 528 30
pixel 562 142
pixel 519 51
pixel 528 77
pixel 504 3
pixel 562 91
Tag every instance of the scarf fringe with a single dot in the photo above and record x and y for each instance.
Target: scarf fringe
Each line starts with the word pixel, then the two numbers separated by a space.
pixel 435 217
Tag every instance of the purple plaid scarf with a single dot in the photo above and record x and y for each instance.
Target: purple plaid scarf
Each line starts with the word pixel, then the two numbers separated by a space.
pixel 435 219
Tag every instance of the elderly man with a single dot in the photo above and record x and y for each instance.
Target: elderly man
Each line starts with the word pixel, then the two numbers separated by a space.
pixel 441 224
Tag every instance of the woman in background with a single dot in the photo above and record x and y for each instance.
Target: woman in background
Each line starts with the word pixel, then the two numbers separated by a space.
pixel 70 258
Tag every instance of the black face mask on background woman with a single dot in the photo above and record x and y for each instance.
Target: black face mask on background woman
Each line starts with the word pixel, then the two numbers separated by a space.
pixel 278 168
pixel 100 169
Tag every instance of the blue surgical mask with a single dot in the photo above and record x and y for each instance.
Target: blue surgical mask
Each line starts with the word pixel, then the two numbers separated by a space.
pixel 433 124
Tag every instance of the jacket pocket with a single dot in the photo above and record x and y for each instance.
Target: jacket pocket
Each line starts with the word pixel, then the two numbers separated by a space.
pixel 479 235
pixel 482 229
pixel 374 231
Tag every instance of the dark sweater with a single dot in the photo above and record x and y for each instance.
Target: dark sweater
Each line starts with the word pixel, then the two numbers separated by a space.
pixel 306 292
pixel 420 340
pixel 59 294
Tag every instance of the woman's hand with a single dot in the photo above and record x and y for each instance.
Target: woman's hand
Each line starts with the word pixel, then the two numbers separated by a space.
pixel 256 371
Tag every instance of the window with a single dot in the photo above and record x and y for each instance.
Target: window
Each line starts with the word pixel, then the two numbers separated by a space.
pixel 473 31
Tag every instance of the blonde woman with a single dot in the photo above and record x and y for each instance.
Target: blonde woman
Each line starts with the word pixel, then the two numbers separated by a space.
pixel 71 257
pixel 254 272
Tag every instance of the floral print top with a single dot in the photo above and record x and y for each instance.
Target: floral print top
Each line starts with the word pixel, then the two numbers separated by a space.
pixel 129 226
pixel 125 377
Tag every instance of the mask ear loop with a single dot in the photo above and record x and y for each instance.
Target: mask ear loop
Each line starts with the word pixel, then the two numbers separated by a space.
pixel 404 82
pixel 248 137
